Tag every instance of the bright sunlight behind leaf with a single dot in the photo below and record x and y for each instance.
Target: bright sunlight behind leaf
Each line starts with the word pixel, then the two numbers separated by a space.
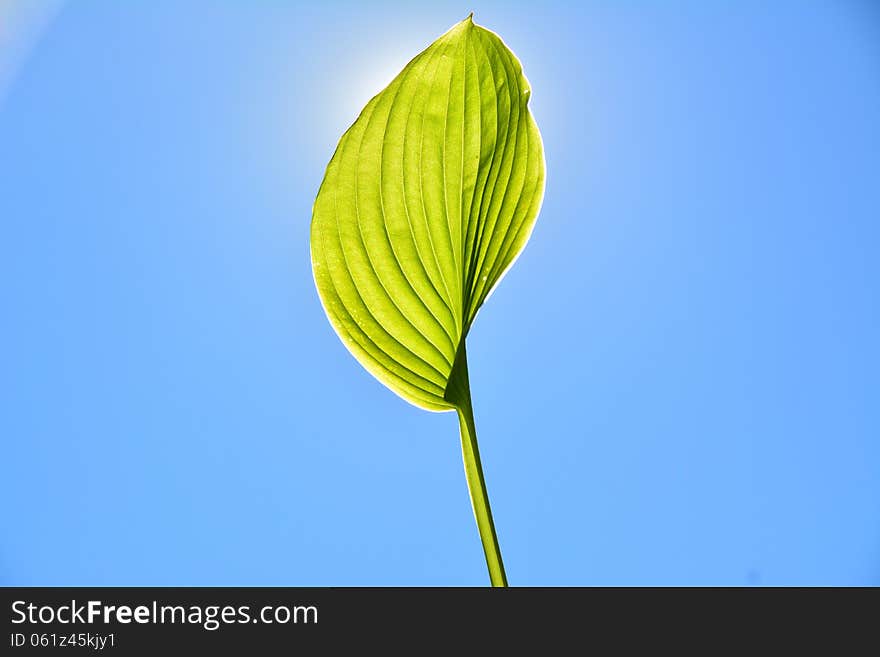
pixel 427 201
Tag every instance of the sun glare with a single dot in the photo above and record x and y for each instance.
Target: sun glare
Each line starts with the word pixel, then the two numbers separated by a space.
pixel 21 23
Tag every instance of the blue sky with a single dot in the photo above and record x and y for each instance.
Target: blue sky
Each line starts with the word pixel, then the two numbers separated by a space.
pixel 676 383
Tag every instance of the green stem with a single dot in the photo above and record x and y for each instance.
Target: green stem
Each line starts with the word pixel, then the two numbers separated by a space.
pixel 459 393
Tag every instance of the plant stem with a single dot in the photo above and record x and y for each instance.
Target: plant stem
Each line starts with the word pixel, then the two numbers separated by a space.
pixel 459 393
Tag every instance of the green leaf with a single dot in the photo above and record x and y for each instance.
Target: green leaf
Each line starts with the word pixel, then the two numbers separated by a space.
pixel 429 198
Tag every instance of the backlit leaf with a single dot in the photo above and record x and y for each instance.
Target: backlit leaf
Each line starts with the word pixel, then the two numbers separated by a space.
pixel 429 198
